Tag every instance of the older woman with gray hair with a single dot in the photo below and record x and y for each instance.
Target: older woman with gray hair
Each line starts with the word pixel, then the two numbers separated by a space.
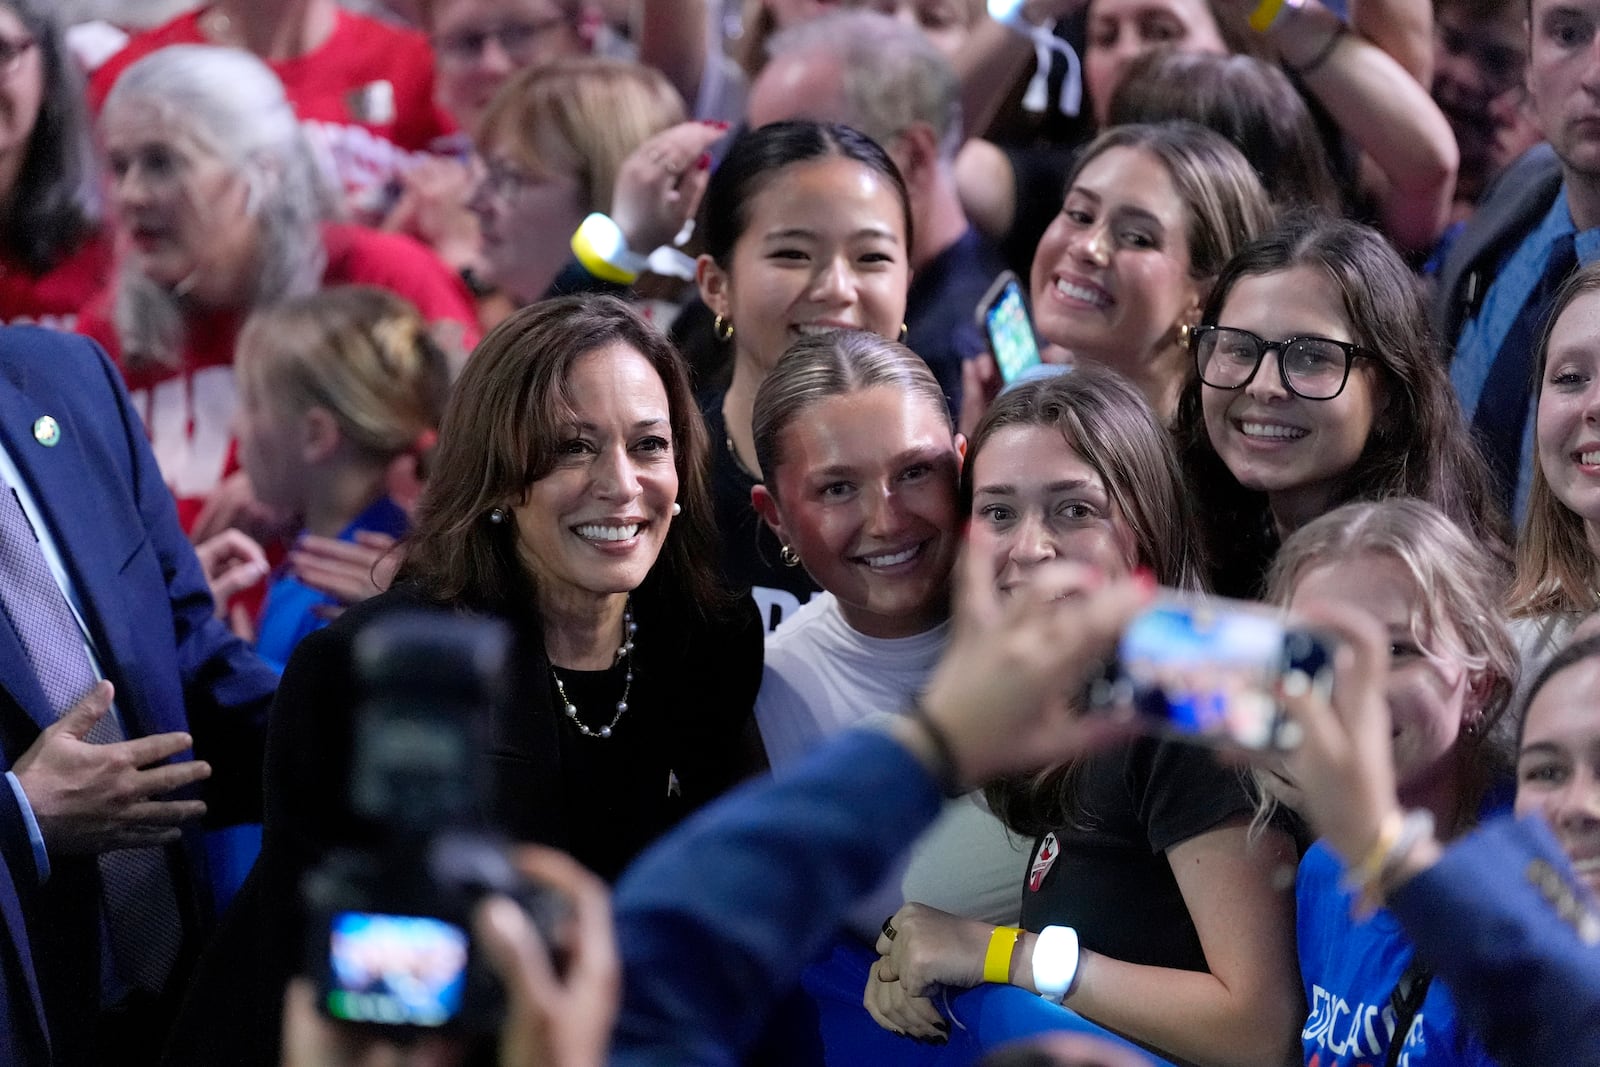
pixel 219 209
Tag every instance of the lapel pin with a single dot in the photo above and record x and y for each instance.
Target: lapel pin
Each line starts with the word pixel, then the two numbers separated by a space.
pixel 47 431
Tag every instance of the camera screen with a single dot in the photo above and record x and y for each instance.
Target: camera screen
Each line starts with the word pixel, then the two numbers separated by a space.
pixel 1205 672
pixel 398 970
pixel 1011 334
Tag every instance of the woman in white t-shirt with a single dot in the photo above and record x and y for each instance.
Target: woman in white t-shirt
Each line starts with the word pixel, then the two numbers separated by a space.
pixel 862 490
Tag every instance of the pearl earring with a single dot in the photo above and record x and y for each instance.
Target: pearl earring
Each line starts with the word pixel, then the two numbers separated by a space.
pixel 497 515
pixel 677 509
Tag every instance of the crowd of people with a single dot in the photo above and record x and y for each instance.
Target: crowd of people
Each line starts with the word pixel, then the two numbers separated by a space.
pixel 638 348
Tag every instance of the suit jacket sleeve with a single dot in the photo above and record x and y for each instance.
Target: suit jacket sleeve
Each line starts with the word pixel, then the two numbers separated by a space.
pixel 717 920
pixel 227 689
pixel 1489 918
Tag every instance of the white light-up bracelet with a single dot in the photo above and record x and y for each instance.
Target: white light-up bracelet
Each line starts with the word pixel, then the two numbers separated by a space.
pixel 1055 962
pixel 603 251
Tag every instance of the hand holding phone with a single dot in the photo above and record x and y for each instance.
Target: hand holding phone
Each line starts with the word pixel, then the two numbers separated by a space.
pixel 1208 670
pixel 1003 314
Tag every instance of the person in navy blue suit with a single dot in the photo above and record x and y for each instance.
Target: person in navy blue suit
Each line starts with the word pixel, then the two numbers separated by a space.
pixel 188 700
pixel 1508 917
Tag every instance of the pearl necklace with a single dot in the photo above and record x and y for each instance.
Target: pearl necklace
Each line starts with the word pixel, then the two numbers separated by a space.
pixel 629 628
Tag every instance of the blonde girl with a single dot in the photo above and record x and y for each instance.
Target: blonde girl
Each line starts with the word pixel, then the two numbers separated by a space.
pixel 335 388
pixel 1438 594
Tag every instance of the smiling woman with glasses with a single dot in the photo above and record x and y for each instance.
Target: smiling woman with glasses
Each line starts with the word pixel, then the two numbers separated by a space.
pixel 552 141
pixel 1316 384
pixel 479 44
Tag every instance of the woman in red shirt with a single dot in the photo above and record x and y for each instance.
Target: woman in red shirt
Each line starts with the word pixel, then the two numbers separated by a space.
pixel 219 208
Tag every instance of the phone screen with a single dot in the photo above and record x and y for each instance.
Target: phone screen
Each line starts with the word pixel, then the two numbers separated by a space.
pixel 1010 332
pixel 396 970
pixel 1209 670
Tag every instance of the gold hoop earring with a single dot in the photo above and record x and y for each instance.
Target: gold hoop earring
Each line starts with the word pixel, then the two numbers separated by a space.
pixel 790 557
pixel 905 331
pixel 723 329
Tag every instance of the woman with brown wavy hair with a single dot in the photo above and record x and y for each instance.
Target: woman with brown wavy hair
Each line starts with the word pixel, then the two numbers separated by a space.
pixel 568 500
pixel 1317 383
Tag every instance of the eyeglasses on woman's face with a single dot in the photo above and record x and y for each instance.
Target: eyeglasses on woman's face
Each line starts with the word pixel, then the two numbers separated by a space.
pixel 519 39
pixel 1313 368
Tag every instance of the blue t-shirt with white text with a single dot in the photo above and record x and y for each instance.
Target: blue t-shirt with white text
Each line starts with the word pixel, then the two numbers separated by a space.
pixel 1350 969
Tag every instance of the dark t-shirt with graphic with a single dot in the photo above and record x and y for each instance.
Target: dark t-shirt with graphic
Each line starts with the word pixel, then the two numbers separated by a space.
pixel 1110 878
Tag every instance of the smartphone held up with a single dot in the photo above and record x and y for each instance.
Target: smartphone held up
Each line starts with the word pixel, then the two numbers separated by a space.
pixel 1003 315
pixel 1209 670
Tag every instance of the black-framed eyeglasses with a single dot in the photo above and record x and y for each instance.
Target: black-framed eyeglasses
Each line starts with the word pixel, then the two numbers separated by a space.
pixel 1314 368
pixel 519 40
pixel 12 50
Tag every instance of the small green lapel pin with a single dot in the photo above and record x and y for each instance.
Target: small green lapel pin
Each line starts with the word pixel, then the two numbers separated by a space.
pixel 47 431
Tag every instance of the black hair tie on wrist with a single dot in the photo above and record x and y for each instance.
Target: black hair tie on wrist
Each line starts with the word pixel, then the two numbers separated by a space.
pixel 1323 53
pixel 944 754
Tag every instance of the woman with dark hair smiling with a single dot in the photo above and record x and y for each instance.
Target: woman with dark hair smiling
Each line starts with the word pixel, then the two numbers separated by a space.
pixel 568 500
pixel 567 496
pixel 807 228
pixel 1318 384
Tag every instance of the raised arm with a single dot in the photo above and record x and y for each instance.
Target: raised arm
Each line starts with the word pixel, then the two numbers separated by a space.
pixel 1385 111
pixel 1499 915
pixel 1403 29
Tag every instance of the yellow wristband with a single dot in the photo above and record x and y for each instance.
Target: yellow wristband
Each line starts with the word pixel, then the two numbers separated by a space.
pixel 1264 14
pixel 600 247
pixel 997 960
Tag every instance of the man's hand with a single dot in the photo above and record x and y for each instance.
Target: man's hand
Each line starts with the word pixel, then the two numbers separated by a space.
pixel 1004 692
pixel 93 798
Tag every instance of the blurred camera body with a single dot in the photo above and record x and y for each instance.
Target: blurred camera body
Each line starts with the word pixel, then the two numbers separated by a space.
pixel 389 940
